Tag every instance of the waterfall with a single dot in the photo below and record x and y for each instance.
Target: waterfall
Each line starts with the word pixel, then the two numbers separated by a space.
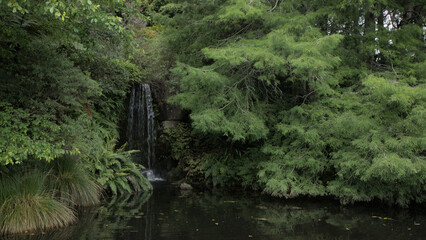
pixel 140 132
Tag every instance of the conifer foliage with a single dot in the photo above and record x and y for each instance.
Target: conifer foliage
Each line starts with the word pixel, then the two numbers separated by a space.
pixel 331 92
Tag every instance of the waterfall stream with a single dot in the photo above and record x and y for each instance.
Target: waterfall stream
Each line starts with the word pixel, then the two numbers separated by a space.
pixel 140 132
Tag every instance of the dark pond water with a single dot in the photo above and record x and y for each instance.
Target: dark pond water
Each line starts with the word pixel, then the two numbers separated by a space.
pixel 169 213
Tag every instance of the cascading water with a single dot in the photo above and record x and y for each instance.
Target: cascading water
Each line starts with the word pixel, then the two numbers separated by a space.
pixel 141 133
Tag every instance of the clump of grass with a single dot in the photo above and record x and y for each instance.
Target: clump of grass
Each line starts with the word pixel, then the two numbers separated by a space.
pixel 72 182
pixel 26 205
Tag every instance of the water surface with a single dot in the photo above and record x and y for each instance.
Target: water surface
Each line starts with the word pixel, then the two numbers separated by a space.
pixel 169 213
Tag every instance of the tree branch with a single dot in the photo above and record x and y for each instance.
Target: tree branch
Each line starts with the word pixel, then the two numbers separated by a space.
pixel 276 5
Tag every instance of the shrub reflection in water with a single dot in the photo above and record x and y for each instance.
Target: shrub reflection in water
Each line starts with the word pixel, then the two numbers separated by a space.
pixel 169 213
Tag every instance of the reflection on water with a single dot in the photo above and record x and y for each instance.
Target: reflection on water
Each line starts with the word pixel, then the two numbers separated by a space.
pixel 150 175
pixel 169 213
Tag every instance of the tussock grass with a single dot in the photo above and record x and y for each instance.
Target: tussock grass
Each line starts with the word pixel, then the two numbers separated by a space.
pixel 27 206
pixel 72 182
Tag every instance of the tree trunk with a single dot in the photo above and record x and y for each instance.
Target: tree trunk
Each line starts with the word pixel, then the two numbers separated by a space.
pixel 412 14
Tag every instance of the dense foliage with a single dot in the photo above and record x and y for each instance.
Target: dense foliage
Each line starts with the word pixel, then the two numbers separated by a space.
pixel 65 71
pixel 307 97
pixel 317 98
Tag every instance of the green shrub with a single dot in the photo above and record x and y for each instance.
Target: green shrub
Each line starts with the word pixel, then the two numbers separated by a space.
pixel 186 150
pixel 26 135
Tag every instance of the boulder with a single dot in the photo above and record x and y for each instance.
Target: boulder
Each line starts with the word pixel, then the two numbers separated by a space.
pixel 185 186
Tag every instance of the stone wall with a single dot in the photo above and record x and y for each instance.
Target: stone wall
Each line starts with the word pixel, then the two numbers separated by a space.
pixel 169 116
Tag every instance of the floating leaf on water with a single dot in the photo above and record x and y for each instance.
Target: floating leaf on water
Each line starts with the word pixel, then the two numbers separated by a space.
pixel 293 207
pixel 382 218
